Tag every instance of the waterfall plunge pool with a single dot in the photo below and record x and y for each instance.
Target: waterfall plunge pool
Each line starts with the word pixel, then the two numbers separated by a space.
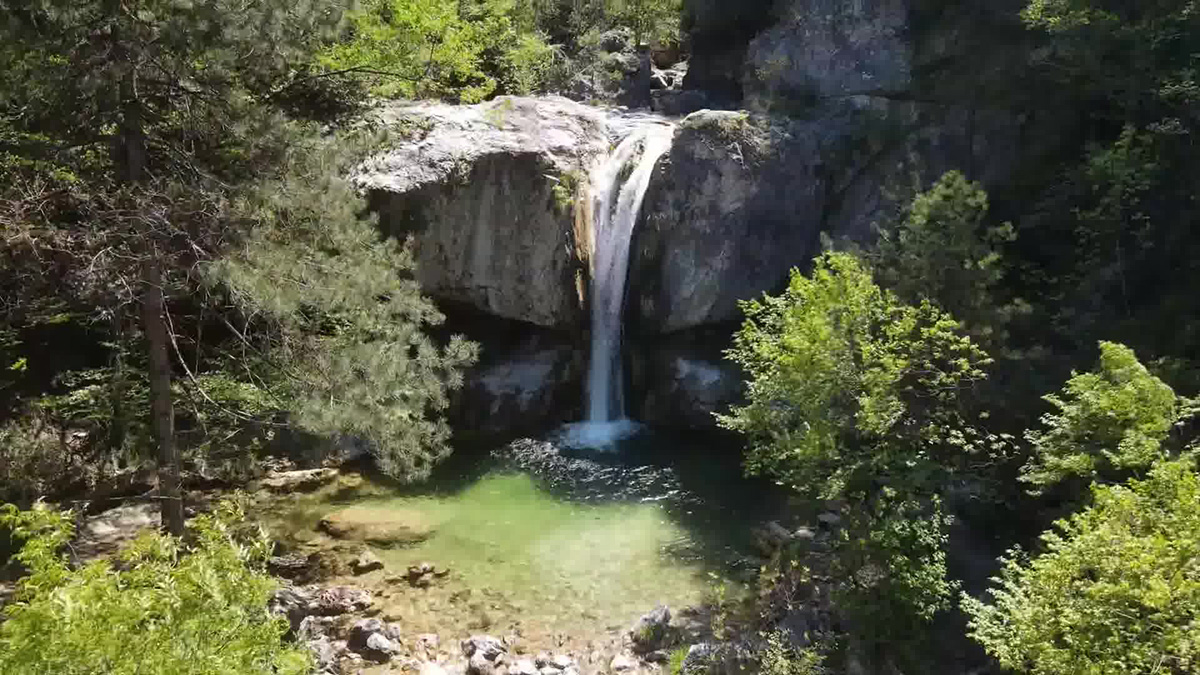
pixel 563 548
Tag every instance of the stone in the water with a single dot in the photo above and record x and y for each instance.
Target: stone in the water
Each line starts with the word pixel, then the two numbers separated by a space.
pixel 342 600
pixel 325 653
pixel 366 562
pixel 379 648
pixel 652 631
pixel 490 647
pixel 377 526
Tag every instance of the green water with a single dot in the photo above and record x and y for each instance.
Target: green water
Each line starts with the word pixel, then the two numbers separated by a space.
pixel 526 562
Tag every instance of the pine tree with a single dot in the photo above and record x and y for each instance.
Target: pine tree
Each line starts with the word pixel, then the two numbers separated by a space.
pixel 133 118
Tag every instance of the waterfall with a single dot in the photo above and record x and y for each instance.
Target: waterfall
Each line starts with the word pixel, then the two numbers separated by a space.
pixel 618 187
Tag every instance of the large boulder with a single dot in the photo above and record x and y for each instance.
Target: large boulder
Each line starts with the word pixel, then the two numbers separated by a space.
pixel 485 192
pixel 377 526
pixel 734 205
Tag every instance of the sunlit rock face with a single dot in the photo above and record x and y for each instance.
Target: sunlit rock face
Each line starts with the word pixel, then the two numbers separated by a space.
pixel 485 192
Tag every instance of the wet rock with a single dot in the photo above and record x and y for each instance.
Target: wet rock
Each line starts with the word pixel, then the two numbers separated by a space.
pixel 542 660
pixel 366 562
pixel 652 631
pixel 374 640
pixel 804 533
pixel 478 664
pixel 298 481
pixel 377 526
pixel 682 384
pixel 292 567
pixel 326 654
pixel 562 661
pixel 622 664
pixel 698 657
pixel 657 656
pixel 491 648
pixel 422 575
pixel 342 600
pixel 519 389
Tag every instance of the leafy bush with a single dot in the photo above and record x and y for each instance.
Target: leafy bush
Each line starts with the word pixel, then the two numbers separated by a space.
pixel 944 252
pixel 856 396
pixel 1106 422
pixel 778 658
pixel 1116 589
pixel 848 386
pixel 163 608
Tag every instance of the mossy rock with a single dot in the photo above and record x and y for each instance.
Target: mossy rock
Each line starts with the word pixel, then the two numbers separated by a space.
pixel 383 527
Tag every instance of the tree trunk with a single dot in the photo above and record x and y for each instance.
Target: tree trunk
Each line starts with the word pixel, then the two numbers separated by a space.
pixel 162 409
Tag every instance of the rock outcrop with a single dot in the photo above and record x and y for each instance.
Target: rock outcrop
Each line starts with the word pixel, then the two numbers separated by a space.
pixel 485 191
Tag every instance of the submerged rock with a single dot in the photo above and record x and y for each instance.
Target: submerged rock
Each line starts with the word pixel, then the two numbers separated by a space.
pixel 366 562
pixel 377 526
pixel 489 647
pixel 588 479
pixel 652 631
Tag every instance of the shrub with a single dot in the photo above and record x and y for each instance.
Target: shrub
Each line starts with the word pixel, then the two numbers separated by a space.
pixel 162 608
pixel 1116 589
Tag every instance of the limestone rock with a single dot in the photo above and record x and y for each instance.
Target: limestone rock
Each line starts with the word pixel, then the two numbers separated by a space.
pixel 733 207
pixel 479 188
pixel 652 631
pixel 377 526
pixel 298 481
pixel 491 648
pixel 366 562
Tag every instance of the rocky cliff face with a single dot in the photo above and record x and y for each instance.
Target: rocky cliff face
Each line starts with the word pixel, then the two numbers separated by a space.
pixel 486 192
pixel 836 113
pixel 848 108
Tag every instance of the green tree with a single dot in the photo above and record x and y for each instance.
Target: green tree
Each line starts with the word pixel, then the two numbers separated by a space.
pixel 345 323
pixel 945 252
pixel 856 396
pixel 461 50
pixel 159 609
pixel 656 20
pixel 134 117
pixel 1107 423
pixel 1115 589
pixel 849 387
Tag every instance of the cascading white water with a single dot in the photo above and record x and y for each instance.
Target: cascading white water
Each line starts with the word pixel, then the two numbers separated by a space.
pixel 618 187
